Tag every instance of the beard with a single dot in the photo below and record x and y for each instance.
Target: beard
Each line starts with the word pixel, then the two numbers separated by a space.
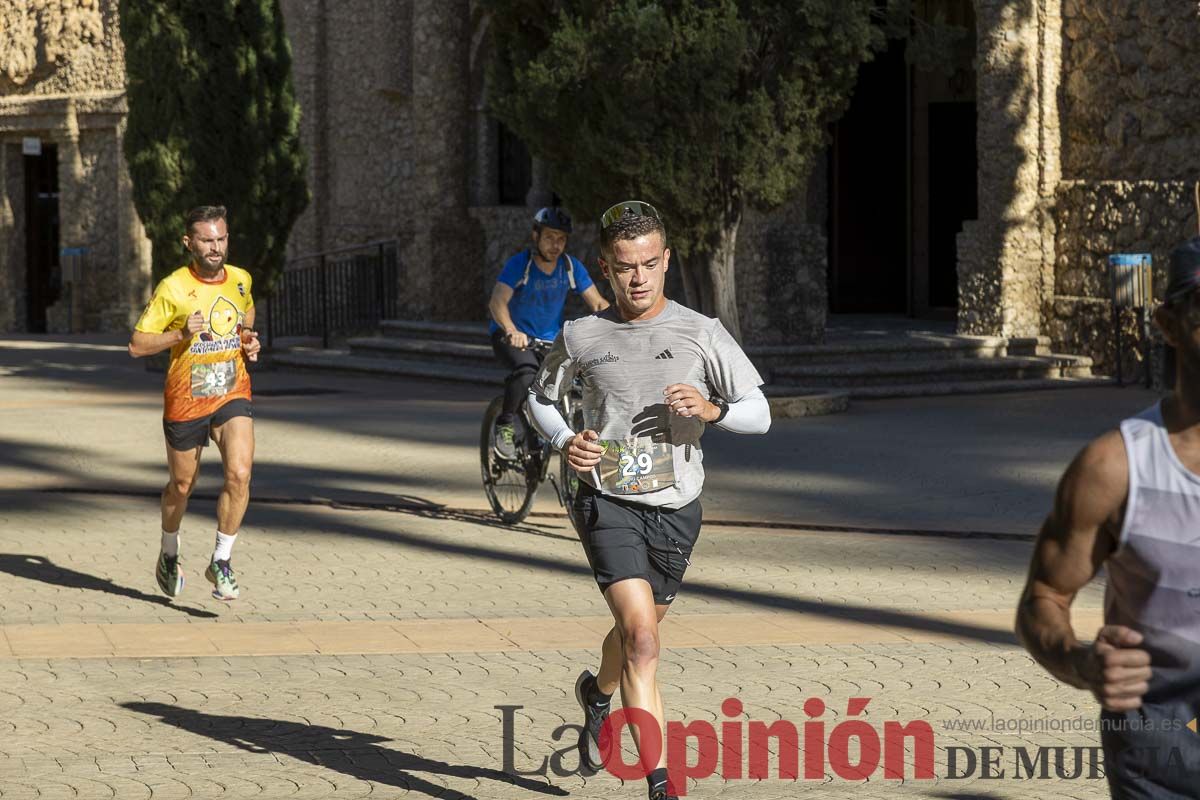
pixel 205 264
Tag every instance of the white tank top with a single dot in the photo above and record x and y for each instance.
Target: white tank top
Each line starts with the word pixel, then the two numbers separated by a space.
pixel 1154 574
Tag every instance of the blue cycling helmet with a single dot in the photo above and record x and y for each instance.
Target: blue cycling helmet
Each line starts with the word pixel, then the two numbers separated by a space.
pixel 552 217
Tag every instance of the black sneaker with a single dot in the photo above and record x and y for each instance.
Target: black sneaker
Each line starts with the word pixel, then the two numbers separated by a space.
pixel 593 719
pixel 661 794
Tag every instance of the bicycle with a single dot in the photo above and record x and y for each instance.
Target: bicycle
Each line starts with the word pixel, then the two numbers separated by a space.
pixel 512 484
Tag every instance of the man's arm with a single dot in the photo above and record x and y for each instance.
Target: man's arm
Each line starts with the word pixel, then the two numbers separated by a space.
pixel 251 345
pixel 750 414
pixel 1078 536
pixel 147 344
pixel 548 420
pixel 595 301
pixel 498 307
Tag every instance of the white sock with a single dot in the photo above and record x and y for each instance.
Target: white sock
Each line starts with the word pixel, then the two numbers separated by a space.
pixel 224 547
pixel 170 543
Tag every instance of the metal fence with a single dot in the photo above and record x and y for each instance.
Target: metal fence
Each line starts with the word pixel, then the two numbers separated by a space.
pixel 338 291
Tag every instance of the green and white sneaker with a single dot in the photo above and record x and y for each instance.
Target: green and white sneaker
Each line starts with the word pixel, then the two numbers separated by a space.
pixel 220 575
pixel 505 441
pixel 168 574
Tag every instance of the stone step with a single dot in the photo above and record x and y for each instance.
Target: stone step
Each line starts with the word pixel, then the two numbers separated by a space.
pixel 785 401
pixel 345 361
pixel 937 389
pixel 911 347
pixel 467 332
pixel 911 372
pixel 1029 346
pixel 422 350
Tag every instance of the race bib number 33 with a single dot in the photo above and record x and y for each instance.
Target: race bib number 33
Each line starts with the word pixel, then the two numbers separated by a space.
pixel 213 380
pixel 636 465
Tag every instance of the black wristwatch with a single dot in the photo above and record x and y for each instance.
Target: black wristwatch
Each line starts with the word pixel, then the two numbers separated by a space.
pixel 723 406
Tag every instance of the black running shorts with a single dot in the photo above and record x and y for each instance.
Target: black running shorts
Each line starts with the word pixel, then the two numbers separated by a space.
pixel 623 540
pixel 193 433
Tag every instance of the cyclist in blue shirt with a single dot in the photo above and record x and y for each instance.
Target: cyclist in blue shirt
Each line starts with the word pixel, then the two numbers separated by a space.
pixel 527 303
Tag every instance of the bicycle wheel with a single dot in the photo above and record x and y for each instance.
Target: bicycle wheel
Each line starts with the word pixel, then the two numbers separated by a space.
pixel 568 479
pixel 509 487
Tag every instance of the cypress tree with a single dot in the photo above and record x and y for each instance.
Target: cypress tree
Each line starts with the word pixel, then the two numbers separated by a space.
pixel 702 107
pixel 213 120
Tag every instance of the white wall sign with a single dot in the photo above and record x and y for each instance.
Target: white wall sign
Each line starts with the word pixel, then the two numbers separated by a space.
pixel 31 146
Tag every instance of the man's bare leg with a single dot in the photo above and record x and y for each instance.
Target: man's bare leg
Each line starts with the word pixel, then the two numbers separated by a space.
pixel 182 466
pixel 235 440
pixel 637 617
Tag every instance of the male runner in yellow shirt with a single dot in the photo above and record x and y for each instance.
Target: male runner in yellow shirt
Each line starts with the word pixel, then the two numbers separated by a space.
pixel 204 313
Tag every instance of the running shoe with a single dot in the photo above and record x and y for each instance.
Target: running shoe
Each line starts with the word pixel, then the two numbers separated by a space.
pixel 593 720
pixel 168 574
pixel 220 575
pixel 662 791
pixel 505 441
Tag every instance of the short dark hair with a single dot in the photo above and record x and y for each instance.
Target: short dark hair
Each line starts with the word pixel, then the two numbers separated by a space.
pixel 628 227
pixel 203 214
pixel 1183 272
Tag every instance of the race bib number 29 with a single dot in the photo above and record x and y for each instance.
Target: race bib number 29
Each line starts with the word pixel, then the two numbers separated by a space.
pixel 213 380
pixel 636 465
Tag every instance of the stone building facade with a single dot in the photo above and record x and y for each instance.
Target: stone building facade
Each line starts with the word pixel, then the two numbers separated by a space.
pixel 1081 126
pixel 63 179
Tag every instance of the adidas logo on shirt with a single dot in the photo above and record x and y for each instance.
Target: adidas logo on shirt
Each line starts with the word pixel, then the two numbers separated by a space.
pixel 664 354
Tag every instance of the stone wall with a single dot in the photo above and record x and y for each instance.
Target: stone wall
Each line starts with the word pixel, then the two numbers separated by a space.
pixel 1128 100
pixel 1098 218
pixel 351 67
pixel 781 281
pixel 60 47
pixel 1129 134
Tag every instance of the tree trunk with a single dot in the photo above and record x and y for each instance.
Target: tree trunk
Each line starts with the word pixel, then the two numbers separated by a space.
pixel 713 270
pixel 688 278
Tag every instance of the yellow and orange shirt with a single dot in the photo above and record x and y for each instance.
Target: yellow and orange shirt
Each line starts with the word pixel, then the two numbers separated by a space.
pixel 208 370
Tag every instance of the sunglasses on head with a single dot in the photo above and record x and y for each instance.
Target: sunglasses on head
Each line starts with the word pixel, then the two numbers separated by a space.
pixel 630 208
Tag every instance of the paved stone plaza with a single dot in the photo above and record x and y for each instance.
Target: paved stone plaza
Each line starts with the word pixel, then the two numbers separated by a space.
pixel 384 617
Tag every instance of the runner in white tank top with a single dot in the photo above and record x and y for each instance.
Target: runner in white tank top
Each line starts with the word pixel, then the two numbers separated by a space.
pixel 1130 502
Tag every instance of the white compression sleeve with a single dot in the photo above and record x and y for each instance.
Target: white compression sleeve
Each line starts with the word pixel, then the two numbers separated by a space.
pixel 751 414
pixel 549 421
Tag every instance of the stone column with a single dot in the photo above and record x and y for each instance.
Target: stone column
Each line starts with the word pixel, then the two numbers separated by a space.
pixel 1004 255
pixel 444 238
pixel 12 237
pixel 73 213
pixel 134 264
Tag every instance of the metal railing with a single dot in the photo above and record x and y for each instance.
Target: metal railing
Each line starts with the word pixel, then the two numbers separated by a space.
pixel 337 291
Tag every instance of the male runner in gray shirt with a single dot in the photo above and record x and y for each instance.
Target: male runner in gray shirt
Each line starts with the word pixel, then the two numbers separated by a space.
pixel 654 375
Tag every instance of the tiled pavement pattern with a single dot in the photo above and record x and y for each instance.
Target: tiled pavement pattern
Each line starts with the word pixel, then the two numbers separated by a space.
pixel 369 649
pixel 918 624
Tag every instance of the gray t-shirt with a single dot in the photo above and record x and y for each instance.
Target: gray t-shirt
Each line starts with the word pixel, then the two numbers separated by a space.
pixel 653 457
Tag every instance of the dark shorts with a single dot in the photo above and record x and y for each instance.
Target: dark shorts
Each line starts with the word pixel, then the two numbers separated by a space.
pixel 1149 753
pixel 623 540
pixel 193 433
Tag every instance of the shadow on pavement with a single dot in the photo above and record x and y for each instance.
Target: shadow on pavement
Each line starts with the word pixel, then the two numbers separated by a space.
pixel 285 518
pixel 39 568
pixel 399 504
pixel 352 753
